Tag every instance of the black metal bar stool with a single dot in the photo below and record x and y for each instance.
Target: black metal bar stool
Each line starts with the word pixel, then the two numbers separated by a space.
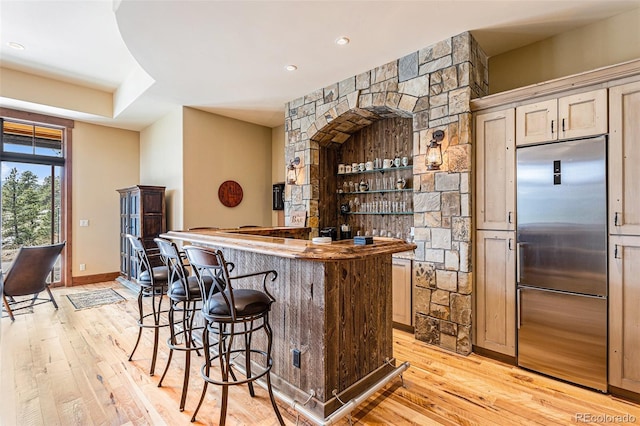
pixel 153 284
pixel 184 294
pixel 231 313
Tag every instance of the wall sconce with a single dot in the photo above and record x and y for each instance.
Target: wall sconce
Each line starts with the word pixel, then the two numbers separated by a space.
pixel 434 152
pixel 292 171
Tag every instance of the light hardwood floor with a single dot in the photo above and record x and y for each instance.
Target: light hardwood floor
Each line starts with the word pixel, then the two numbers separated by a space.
pixel 70 367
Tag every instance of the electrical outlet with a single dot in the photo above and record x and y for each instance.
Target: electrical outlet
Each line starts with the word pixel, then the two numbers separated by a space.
pixel 296 358
pixel 84 222
pixel 83 266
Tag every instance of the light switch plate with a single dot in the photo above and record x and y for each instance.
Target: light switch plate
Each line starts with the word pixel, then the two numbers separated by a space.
pixel 84 222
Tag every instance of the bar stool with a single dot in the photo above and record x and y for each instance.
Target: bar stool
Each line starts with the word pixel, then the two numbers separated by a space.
pixel 153 283
pixel 184 294
pixel 231 313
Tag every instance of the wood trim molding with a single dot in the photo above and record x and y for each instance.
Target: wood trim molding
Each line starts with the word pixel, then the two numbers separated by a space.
pixel 67 190
pixel 93 279
pixel 36 118
pixel 552 87
pixel 511 360
pixel 626 394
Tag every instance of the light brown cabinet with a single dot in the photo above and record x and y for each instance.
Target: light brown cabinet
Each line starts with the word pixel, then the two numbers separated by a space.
pixel 495 291
pixel 572 116
pixel 495 208
pixel 624 160
pixel 402 296
pixel 624 315
pixel 606 107
pixel 624 238
pixel 495 170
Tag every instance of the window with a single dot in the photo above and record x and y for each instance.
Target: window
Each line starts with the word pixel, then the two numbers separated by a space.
pixel 34 187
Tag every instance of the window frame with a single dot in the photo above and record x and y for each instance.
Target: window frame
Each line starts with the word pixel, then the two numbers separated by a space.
pixel 65 186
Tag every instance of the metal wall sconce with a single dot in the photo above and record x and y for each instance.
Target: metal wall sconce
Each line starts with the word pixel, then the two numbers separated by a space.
pixel 434 152
pixel 292 171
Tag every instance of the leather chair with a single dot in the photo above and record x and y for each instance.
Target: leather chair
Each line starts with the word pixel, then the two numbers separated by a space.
pixel 232 315
pixel 28 275
pixel 153 283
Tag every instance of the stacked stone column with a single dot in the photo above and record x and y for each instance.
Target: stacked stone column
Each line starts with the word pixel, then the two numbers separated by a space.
pixel 433 86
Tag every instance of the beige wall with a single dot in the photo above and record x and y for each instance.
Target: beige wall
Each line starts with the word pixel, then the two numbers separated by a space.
pixel 217 149
pixel 54 93
pixel 104 160
pixel 277 163
pixel 603 43
pixel 161 162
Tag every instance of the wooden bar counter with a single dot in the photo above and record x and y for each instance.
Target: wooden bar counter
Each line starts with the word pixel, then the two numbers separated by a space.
pixel 333 304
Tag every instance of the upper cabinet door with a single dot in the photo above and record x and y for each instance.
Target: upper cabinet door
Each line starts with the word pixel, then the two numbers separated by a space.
pixel 537 122
pixel 574 116
pixel 584 114
pixel 624 159
pixel 495 170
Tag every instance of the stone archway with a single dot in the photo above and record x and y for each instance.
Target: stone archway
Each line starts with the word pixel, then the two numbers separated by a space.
pixel 434 87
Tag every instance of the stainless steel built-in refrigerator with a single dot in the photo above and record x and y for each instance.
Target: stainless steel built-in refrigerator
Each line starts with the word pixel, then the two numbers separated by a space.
pixel 562 260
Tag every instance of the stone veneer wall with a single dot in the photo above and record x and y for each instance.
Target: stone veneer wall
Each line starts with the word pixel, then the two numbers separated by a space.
pixel 433 86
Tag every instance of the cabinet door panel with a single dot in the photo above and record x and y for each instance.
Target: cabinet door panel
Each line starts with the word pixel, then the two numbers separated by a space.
pixel 624 315
pixel 402 302
pixel 153 202
pixel 537 122
pixel 624 159
pixel 495 165
pixel 495 291
pixel 584 114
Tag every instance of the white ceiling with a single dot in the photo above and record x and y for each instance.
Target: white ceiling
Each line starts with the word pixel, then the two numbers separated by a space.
pixel 228 57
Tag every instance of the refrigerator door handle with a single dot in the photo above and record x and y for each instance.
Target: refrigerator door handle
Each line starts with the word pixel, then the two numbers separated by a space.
pixel 518 302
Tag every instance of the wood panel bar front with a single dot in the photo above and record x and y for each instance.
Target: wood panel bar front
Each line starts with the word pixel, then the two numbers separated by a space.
pixel 333 304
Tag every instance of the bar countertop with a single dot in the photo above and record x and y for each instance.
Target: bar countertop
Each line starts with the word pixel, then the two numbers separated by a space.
pixel 289 247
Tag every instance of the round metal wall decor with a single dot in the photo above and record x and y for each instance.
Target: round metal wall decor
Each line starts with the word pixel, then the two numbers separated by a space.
pixel 230 193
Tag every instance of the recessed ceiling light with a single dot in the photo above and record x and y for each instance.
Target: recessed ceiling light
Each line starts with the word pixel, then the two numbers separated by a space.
pixel 14 45
pixel 342 41
pixel 291 67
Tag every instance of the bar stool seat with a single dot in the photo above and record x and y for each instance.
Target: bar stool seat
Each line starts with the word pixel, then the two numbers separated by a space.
pixel 247 302
pixel 177 289
pixel 233 316
pixel 160 274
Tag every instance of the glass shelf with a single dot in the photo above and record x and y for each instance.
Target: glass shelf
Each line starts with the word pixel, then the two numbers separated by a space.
pixel 376 191
pixel 380 213
pixel 390 169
